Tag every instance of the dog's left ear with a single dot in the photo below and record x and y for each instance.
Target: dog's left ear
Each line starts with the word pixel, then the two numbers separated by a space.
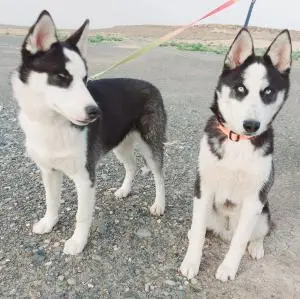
pixel 240 50
pixel 280 52
pixel 80 38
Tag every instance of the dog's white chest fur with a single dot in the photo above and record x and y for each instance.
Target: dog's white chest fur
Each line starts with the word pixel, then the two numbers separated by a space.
pixel 239 173
pixel 55 145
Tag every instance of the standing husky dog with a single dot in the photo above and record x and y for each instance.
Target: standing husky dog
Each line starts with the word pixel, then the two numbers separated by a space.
pixel 70 124
pixel 235 161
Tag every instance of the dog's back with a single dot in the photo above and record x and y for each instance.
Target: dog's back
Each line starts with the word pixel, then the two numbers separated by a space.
pixel 125 105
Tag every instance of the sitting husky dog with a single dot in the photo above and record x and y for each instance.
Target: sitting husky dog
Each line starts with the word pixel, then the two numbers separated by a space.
pixel 70 123
pixel 235 161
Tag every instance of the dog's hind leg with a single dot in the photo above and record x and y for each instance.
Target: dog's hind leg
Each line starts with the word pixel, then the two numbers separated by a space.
pixel 52 180
pixel 124 153
pixel 86 199
pixel 154 158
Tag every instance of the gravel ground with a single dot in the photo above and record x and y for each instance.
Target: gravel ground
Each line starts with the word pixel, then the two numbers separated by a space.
pixel 129 253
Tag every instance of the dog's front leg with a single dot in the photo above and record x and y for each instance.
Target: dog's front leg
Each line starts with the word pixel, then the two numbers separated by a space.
pixel 196 235
pixel 86 199
pixel 250 212
pixel 52 180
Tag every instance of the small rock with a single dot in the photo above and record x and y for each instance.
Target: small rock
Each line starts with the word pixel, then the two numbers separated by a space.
pixel 158 221
pixel 117 221
pixel 170 282
pixel 90 285
pixel 60 277
pixel 56 244
pixel 147 287
pixel 181 288
pixel 97 258
pixel 104 176
pixel 48 263
pixel 194 281
pixel 143 233
pixel 71 281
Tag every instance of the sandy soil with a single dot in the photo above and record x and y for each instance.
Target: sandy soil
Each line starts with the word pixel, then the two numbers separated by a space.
pixel 208 34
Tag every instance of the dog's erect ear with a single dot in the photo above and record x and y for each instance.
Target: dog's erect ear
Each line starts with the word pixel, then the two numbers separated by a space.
pixel 280 52
pixel 80 38
pixel 41 35
pixel 240 50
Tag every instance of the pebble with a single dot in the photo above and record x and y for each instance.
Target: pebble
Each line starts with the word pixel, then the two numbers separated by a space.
pixel 48 263
pixel 194 281
pixel 71 281
pixel 60 277
pixel 170 282
pixel 90 285
pixel 56 244
pixel 147 287
pixel 97 258
pixel 143 233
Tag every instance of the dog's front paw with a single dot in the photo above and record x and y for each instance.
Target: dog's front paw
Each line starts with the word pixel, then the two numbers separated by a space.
pixel 122 192
pixel 190 266
pixel 44 225
pixel 256 249
pixel 157 209
pixel 226 272
pixel 74 246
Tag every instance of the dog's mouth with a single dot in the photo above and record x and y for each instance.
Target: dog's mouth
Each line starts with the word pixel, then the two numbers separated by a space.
pixel 83 122
pixel 76 122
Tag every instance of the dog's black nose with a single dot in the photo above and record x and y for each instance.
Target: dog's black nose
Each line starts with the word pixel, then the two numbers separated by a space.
pixel 251 126
pixel 92 111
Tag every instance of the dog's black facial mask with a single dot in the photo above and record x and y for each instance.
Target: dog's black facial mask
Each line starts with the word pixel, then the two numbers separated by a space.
pixel 42 51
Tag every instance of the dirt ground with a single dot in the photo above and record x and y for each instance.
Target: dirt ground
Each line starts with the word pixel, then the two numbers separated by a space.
pixel 129 253
pixel 211 34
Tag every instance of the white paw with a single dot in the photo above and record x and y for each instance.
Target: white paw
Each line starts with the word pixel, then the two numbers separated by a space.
pixel 256 249
pixel 226 272
pixel 190 266
pixel 44 225
pixel 122 192
pixel 156 209
pixel 73 246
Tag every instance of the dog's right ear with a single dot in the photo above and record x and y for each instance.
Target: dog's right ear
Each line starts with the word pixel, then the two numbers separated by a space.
pixel 79 38
pixel 240 50
pixel 41 35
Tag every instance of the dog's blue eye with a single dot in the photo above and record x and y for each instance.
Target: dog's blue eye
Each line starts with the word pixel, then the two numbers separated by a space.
pixel 241 89
pixel 268 91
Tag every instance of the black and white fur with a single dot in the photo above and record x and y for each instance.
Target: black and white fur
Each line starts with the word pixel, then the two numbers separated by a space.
pixel 234 178
pixel 70 123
